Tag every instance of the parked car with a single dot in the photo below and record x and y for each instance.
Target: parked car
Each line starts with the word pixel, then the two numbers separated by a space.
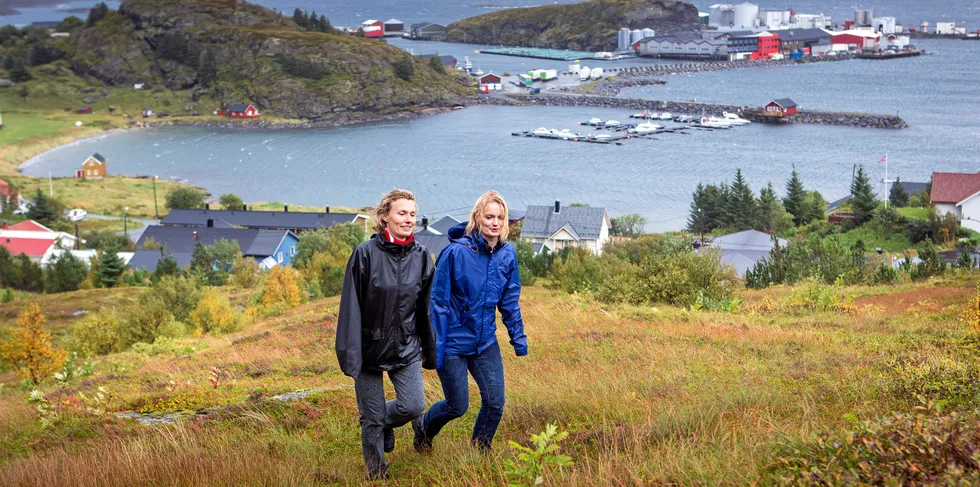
pixel 77 215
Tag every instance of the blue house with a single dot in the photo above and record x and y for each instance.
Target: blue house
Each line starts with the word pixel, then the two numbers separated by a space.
pixel 268 247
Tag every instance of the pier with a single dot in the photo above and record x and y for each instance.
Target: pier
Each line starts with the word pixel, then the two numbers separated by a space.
pixel 531 52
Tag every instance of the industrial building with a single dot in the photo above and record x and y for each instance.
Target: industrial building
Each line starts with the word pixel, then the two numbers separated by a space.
pixel 728 16
pixel 626 38
pixel 859 38
pixel 791 40
pixel 682 47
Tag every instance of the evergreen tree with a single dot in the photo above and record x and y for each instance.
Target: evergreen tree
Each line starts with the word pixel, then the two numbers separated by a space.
pixel 203 265
pixel 404 68
pixel 42 210
pixel 436 64
pixel 769 209
pixel 8 271
pixel 814 207
pixel 65 274
pixel 207 70
pixel 97 13
pixel 20 74
pixel 697 220
pixel 111 266
pixel 314 21
pixel 863 201
pixel 299 18
pixel 795 197
pixel 166 266
pixel 898 197
pixel 965 261
pixel 325 24
pixel 741 209
pixel 29 275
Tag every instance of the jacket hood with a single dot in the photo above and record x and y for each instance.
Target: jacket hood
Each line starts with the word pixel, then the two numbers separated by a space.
pixel 472 240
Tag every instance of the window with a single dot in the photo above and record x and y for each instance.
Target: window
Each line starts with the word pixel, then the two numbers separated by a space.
pixel 279 257
pixel 292 251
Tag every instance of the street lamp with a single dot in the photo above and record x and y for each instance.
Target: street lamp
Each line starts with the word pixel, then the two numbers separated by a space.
pixel 156 212
pixel 125 226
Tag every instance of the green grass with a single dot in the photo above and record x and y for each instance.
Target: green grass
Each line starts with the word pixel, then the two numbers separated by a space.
pixel 19 126
pixel 916 213
pixel 896 242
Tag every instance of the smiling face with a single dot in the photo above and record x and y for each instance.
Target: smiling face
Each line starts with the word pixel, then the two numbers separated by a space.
pixel 492 223
pixel 401 218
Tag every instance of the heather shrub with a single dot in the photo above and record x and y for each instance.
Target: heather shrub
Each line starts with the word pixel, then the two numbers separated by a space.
pixel 97 333
pixel 245 273
pixel 150 320
pixel 179 294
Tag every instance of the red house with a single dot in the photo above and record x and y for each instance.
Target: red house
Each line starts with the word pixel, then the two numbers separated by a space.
pixel 780 108
pixel 243 110
pixel 768 45
pixel 373 28
pixel 490 82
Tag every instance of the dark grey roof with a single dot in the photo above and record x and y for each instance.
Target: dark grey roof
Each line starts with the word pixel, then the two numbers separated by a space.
pixel 583 221
pixel 291 220
pixel 443 224
pixel 50 24
pixel 802 34
pixel 178 240
pixel 421 24
pixel 149 258
pixel 514 214
pixel 238 107
pixel 433 243
pixel 747 240
pixel 785 102
pixel 98 157
pixel 447 60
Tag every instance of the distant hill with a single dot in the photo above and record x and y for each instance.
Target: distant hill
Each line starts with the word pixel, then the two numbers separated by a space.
pixel 590 25
pixel 256 55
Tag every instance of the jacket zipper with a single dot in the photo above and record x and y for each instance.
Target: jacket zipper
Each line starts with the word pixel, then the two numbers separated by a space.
pixel 483 305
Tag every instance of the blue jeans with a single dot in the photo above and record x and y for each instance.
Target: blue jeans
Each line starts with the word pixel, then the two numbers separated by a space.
pixel 378 414
pixel 487 369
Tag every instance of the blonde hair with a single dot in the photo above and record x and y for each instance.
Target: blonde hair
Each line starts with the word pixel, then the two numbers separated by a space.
pixel 384 207
pixel 479 209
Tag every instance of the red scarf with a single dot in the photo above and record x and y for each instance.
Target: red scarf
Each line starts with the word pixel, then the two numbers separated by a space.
pixel 394 240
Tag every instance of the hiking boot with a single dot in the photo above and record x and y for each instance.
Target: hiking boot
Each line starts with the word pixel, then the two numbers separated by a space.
pixel 379 474
pixel 389 437
pixel 422 443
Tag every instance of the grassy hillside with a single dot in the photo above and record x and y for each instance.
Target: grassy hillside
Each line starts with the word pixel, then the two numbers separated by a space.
pixel 661 396
pixel 590 25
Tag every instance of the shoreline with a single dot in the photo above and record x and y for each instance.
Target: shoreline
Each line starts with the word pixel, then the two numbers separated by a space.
pixel 33 160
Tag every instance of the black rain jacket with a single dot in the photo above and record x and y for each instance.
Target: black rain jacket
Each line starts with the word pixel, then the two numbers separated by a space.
pixel 384 308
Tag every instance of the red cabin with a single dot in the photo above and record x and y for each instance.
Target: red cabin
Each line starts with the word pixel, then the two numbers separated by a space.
pixel 373 28
pixel 780 108
pixel 243 110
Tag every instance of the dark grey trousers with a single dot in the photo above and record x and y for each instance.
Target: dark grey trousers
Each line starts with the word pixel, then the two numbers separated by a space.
pixel 377 415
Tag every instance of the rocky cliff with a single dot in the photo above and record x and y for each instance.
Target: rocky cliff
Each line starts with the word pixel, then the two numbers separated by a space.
pixel 260 57
pixel 591 25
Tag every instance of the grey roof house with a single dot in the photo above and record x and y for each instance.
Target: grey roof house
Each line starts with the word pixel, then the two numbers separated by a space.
pixel 560 227
pixel 296 222
pixel 744 249
pixel 269 247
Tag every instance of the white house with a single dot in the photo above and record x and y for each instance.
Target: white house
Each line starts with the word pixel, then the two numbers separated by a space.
pixel 945 27
pixel 959 194
pixel 560 227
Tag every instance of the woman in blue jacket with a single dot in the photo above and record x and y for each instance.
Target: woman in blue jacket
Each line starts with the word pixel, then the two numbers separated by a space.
pixel 475 276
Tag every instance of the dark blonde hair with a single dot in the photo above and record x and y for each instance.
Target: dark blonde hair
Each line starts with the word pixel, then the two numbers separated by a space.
pixel 480 208
pixel 384 207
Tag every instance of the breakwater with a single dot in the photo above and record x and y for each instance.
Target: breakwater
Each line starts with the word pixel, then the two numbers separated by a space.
pixel 863 120
pixel 709 66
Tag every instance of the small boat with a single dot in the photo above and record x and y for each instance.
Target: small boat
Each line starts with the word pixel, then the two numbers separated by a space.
pixel 595 121
pixel 666 116
pixel 602 137
pixel 684 119
pixel 734 118
pixel 612 123
pixel 478 72
pixel 645 128
pixel 721 121
pixel 564 134
pixel 541 131
pixel 711 124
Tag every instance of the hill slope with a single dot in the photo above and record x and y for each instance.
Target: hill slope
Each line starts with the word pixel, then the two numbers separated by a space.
pixel 591 25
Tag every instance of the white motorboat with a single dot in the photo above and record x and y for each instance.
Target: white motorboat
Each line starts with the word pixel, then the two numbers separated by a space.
pixel 713 123
pixel 564 134
pixel 722 121
pixel 666 116
pixel 645 128
pixel 541 131
pixel 613 123
pixel 734 119
pixel 595 121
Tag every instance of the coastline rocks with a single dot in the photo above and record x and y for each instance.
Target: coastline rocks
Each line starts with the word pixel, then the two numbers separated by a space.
pixel 337 120
pixel 6 83
pixel 710 66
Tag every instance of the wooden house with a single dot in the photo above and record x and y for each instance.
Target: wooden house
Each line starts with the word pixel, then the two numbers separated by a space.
pixel 243 110
pixel 95 167
pixel 780 108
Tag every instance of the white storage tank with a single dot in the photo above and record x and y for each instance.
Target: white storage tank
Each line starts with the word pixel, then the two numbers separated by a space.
pixel 584 73
pixel 635 36
pixel 746 15
pixel 649 33
pixel 596 73
pixel 573 68
pixel 623 39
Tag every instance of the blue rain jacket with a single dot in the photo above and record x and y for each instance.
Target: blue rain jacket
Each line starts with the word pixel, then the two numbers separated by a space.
pixel 471 284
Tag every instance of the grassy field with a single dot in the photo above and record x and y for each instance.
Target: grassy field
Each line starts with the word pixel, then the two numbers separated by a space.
pixel 916 213
pixel 649 395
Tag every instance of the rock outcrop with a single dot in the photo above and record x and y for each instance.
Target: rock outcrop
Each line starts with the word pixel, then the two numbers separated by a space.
pixel 590 25
pixel 256 52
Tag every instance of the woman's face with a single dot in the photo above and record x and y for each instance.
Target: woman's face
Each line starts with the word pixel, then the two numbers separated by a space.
pixel 493 221
pixel 401 218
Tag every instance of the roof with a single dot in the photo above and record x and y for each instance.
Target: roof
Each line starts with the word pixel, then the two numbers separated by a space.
pixel 748 240
pixel 48 24
pixel 239 107
pixel 869 34
pixel 682 39
pixel 30 226
pixel 743 260
pixel 252 242
pixel 443 224
pixel 393 21
pixel 98 157
pixel 421 24
pixel 33 247
pixel 369 22
pixel 447 59
pixel 258 219
pixel 488 75
pixel 433 243
pixel 804 34
pixel 954 187
pixel 784 102
pixel 543 222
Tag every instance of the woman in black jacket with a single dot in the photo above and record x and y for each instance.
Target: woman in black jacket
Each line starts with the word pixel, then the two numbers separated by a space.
pixel 384 326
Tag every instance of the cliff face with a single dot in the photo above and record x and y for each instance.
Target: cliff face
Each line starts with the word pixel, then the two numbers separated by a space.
pixel 591 25
pixel 256 51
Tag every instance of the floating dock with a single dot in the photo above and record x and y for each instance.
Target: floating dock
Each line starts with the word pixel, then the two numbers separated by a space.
pixel 531 52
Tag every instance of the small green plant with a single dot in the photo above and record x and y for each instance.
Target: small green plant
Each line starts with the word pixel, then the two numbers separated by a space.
pixel 46 412
pixel 529 468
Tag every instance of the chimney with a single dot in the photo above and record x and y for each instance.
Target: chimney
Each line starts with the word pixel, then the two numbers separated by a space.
pixel 195 234
pixel 328 209
pixel 4 226
pixel 244 207
pixel 210 222
pixel 207 206
pixel 285 208
pixel 557 206
pixel 425 222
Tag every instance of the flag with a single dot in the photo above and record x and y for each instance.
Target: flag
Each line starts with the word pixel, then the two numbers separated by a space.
pixel 884 158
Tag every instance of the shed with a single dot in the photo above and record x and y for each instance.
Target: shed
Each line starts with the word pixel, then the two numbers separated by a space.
pixel 394 25
pixel 243 110
pixel 490 82
pixel 427 30
pixel 373 28
pixel 780 108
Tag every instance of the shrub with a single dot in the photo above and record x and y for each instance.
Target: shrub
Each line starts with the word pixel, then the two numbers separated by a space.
pixel 245 272
pixel 971 315
pixel 231 201
pixel 404 68
pixel 436 64
pixel 150 320
pixel 184 197
pixel 817 297
pixel 97 333
pixel 29 349
pixel 179 294
pixel 215 315
pixel 282 289
pixel 935 378
pixel 532 463
pixel 302 67
pixel 924 448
